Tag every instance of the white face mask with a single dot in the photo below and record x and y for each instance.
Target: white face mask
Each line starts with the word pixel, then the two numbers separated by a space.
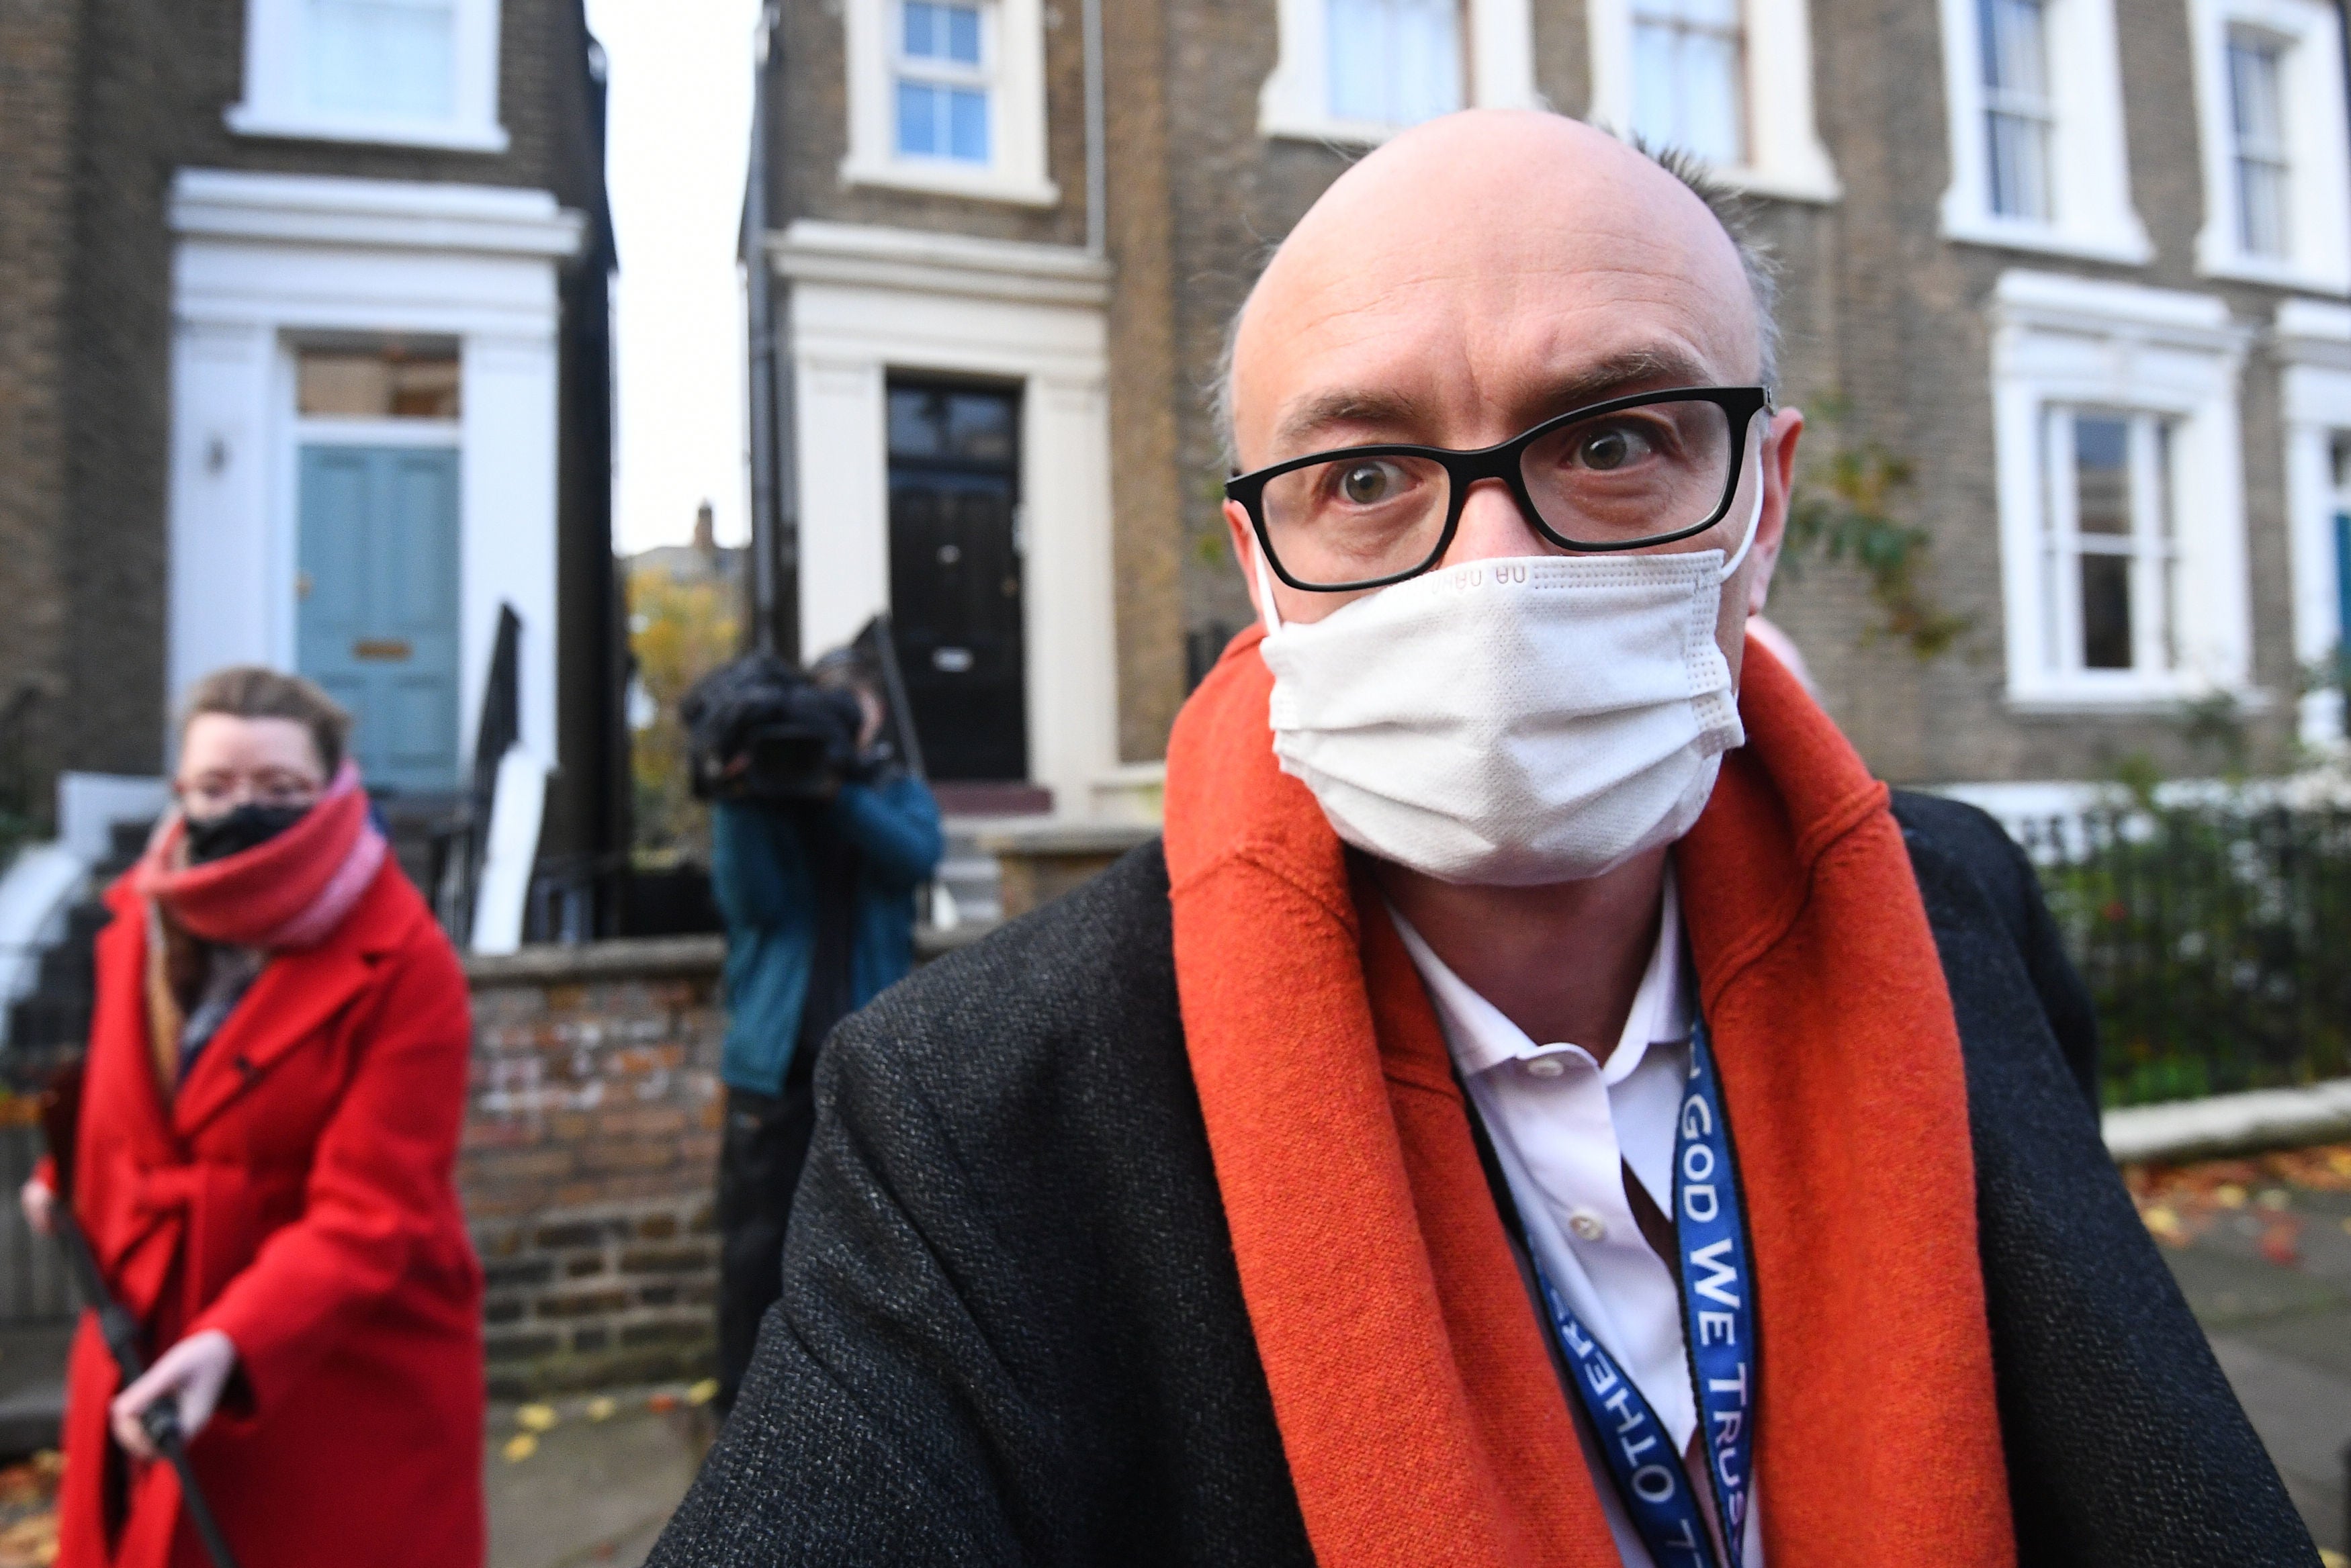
pixel 1518 722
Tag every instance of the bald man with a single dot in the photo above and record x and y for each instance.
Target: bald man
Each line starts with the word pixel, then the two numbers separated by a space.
pixel 1542 1102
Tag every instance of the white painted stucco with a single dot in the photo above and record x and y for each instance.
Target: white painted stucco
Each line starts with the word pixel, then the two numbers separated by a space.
pixel 262 261
pixel 865 302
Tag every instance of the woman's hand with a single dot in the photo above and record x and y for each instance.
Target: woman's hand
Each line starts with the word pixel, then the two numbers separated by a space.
pixel 39 1201
pixel 195 1369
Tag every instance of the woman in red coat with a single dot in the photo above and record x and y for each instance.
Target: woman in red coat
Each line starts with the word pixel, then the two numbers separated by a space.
pixel 275 1085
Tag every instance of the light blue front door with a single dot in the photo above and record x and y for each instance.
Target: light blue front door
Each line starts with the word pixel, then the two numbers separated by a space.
pixel 378 620
pixel 2343 595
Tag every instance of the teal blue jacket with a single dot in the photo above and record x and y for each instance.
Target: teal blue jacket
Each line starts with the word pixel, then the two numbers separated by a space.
pixel 760 873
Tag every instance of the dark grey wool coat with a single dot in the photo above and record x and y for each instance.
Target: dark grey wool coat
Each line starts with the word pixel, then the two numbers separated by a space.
pixel 1011 1331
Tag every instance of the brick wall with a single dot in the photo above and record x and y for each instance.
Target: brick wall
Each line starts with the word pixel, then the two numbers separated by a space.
pixel 101 100
pixel 1877 310
pixel 1876 307
pixel 591 1143
pixel 112 540
pixel 538 43
pixel 40 44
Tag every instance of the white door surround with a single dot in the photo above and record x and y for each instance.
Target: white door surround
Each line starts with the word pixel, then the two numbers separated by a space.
pixel 2313 339
pixel 867 301
pixel 264 262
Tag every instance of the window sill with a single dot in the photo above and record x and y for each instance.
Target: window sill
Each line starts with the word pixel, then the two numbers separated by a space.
pixel 943 179
pixel 1816 185
pixel 248 120
pixel 2130 249
pixel 2211 260
pixel 2126 698
pixel 1326 131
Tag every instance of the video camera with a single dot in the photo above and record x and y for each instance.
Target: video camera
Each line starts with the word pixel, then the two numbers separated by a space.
pixel 758 729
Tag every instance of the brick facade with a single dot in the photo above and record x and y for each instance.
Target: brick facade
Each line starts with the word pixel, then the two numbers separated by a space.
pixel 591 1150
pixel 101 102
pixel 39 47
pixel 1879 310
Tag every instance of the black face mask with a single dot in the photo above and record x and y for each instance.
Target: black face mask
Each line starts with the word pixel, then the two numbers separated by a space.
pixel 246 827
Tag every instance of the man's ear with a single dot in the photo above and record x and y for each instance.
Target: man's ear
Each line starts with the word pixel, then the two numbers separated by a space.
pixel 1779 440
pixel 1244 542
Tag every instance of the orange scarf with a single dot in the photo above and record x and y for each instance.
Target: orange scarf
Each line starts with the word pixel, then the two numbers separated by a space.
pixel 1418 1408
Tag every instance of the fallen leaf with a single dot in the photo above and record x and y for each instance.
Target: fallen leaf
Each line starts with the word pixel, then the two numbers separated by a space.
pixel 2230 1195
pixel 662 1404
pixel 2282 1245
pixel 535 1417
pixel 703 1392
pixel 520 1447
pixel 2164 1223
pixel 30 1543
pixel 601 1408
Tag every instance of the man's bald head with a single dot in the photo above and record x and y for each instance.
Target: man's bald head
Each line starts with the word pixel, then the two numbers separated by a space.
pixel 1494 214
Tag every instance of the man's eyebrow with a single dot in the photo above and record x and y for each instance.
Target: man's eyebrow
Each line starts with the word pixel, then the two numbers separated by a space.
pixel 1625 372
pixel 1300 430
pixel 1345 406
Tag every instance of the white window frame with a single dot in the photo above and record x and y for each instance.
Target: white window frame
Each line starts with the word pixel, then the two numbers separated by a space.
pixel 2313 342
pixel 2318 215
pixel 2092 214
pixel 1012 51
pixel 1785 154
pixel 1497 49
pixel 2150 548
pixel 942 72
pixel 2065 342
pixel 277 99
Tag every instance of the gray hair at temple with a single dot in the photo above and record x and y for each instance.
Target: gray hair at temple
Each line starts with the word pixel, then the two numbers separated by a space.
pixel 1730 210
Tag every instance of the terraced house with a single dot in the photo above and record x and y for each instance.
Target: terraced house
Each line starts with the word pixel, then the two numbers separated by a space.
pixel 2065 281
pixel 304 360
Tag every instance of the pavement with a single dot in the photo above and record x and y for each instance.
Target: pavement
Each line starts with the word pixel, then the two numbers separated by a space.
pixel 32 1385
pixel 590 1480
pixel 2261 1248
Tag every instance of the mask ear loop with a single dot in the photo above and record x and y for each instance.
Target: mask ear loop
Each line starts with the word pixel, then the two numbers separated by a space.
pixel 1267 610
pixel 1754 520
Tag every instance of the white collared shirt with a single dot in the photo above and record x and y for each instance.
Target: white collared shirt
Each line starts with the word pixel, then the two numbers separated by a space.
pixel 1564 1126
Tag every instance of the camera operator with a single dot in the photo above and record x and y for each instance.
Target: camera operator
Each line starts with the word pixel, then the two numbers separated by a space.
pixel 820 838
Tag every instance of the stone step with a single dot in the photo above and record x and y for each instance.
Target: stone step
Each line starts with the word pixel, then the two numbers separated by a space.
pixel 968 875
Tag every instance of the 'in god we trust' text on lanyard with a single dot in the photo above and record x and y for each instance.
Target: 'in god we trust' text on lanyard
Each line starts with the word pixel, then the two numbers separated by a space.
pixel 1719 1328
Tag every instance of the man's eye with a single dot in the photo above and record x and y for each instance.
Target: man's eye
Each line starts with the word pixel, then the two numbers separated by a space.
pixel 1611 447
pixel 1368 484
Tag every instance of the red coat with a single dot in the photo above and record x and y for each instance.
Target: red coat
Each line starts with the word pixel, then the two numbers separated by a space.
pixel 298 1194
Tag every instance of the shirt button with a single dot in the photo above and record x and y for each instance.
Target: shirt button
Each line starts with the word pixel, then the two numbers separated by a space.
pixel 1587 1225
pixel 1546 1066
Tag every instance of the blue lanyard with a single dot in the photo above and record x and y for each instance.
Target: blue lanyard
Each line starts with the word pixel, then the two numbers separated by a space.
pixel 1718 1329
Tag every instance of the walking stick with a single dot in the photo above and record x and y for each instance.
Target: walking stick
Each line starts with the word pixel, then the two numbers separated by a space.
pixel 61 1118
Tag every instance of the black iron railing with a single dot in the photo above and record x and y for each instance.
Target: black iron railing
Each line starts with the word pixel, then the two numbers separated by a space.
pixel 2216 941
pixel 33 1287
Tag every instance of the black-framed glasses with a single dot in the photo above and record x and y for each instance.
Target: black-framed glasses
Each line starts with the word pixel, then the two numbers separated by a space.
pixel 1619 476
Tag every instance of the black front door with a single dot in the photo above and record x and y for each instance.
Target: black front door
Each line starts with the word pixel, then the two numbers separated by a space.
pixel 955 576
